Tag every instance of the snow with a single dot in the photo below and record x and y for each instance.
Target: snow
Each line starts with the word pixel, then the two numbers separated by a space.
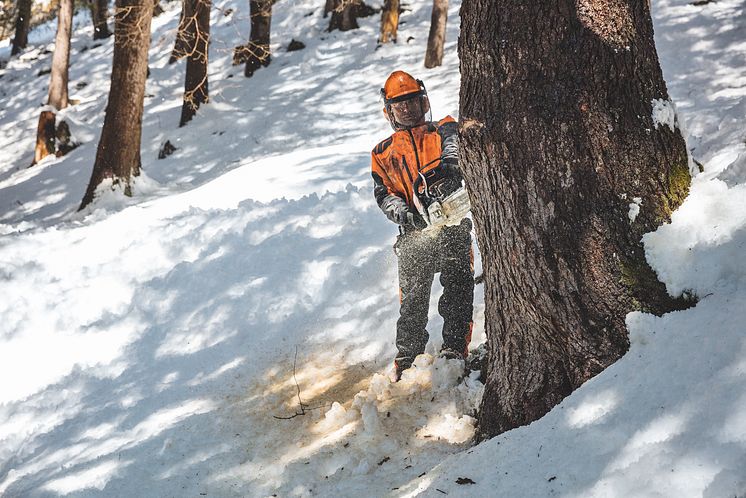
pixel 664 113
pixel 634 208
pixel 162 345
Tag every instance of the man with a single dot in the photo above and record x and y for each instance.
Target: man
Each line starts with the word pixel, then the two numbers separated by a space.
pixel 416 143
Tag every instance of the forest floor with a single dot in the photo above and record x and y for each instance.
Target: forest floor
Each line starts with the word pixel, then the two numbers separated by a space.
pixel 161 345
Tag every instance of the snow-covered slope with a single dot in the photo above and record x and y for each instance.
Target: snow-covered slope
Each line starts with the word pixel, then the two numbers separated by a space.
pixel 156 346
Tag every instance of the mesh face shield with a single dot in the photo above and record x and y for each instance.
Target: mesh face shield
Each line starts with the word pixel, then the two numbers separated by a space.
pixel 410 112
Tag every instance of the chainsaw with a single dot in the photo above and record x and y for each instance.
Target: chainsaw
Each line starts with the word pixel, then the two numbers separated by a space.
pixel 440 195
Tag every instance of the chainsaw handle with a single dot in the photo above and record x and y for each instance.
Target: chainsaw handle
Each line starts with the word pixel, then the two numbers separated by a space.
pixel 416 185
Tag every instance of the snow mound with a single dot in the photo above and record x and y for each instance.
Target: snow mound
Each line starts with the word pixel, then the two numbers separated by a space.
pixel 332 435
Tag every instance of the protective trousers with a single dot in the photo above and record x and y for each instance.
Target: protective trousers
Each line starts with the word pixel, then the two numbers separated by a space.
pixel 420 257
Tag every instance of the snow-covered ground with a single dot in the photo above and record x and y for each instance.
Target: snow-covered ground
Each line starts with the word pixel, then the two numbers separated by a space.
pixel 161 345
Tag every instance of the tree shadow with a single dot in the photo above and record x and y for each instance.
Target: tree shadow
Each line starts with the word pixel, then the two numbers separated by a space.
pixel 210 352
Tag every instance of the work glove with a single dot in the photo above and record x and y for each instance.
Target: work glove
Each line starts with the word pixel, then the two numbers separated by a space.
pixel 450 166
pixel 413 219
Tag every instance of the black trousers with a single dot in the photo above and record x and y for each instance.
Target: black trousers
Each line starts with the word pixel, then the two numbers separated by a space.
pixel 420 257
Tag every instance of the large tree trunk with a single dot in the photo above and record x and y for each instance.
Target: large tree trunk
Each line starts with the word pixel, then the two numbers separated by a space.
pixel 389 21
pixel 118 153
pixel 100 15
pixel 181 45
pixel 57 99
pixel 256 53
pixel 437 37
pixel 195 86
pixel 558 139
pixel 20 39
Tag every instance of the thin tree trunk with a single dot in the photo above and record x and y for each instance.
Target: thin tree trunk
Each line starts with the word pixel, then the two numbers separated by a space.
pixel 118 153
pixel 195 87
pixel 20 39
pixel 61 58
pixel 256 53
pixel 58 97
pixel 45 135
pixel 437 37
pixel 344 15
pixel 157 9
pixel 181 45
pixel 261 20
pixel 389 21
pixel 100 14
pixel 557 139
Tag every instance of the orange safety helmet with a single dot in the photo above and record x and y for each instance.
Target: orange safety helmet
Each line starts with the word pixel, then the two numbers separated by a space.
pixel 401 86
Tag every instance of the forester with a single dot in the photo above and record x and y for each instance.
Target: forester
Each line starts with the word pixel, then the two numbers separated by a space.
pixel 419 158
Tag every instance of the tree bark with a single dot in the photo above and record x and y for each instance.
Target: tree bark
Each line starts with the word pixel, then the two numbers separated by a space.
pixel 557 140
pixel 118 153
pixel 344 15
pixel 58 96
pixel 45 135
pixel 61 59
pixel 181 45
pixel 437 38
pixel 256 53
pixel 389 21
pixel 100 15
pixel 20 39
pixel 195 86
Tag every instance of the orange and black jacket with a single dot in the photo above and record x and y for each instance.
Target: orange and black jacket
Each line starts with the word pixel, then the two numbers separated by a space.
pixel 397 161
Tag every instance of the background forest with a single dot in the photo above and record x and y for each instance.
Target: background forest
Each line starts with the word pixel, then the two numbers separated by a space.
pixel 199 291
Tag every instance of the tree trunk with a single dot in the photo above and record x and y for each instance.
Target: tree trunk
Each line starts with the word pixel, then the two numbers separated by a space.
pixel 45 134
pixel 157 9
pixel 344 15
pixel 61 58
pixel 181 45
pixel 557 142
pixel 437 37
pixel 118 153
pixel 195 86
pixel 57 98
pixel 100 15
pixel 20 39
pixel 261 19
pixel 389 21
pixel 256 53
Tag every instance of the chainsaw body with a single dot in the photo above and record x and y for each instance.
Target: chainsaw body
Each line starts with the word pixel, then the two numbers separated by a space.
pixel 440 196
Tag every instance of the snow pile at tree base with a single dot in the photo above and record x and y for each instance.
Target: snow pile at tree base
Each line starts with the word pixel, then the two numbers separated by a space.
pixel 382 430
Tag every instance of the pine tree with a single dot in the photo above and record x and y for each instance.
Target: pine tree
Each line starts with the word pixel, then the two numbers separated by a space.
pixel 195 86
pixel 256 52
pixel 181 44
pixel 100 15
pixel 437 38
pixel 47 129
pixel 558 140
pixel 118 153
pixel 389 21
pixel 23 21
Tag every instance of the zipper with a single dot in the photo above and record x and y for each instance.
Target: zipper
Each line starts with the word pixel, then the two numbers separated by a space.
pixel 416 155
pixel 406 168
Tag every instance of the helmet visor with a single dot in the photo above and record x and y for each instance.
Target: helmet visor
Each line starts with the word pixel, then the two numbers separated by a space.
pixel 409 112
